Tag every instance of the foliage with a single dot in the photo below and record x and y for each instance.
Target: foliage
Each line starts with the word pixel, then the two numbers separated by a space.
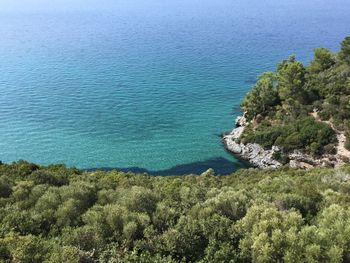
pixel 284 215
pixel 282 158
pixel 54 214
pixel 284 99
pixel 262 97
pixel 345 50
pixel 305 132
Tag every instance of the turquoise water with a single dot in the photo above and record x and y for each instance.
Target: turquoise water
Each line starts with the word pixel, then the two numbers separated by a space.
pixel 144 85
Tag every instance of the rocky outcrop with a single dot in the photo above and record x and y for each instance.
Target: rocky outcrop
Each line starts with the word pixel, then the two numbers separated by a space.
pixel 251 152
pixel 261 158
pixel 302 160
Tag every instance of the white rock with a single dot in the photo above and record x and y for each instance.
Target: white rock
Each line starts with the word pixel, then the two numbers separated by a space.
pixel 252 152
pixel 262 158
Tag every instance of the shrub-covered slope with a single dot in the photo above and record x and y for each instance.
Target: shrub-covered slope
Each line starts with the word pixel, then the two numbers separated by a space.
pixel 281 103
pixel 56 214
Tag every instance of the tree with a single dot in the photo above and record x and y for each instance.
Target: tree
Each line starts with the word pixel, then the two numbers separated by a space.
pixel 68 213
pixel 334 233
pixel 345 50
pixel 261 97
pixel 291 79
pixel 323 60
pixel 26 249
pixel 5 188
pixel 269 235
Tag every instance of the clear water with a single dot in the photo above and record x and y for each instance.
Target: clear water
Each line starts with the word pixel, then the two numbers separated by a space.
pixel 144 85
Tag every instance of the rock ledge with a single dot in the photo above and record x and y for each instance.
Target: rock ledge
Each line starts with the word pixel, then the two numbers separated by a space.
pixel 252 152
pixel 261 158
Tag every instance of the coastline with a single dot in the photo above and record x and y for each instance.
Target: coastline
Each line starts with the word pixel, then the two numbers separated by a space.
pixel 262 158
pixel 256 155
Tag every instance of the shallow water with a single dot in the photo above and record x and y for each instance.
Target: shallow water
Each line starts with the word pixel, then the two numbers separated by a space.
pixel 144 85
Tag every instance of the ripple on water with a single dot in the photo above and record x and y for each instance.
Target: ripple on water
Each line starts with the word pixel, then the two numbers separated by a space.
pixel 134 85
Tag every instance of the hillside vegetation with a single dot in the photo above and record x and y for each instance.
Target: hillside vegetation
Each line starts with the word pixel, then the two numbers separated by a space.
pixel 59 214
pixel 281 103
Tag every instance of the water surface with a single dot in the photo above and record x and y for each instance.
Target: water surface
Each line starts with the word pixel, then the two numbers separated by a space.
pixel 144 85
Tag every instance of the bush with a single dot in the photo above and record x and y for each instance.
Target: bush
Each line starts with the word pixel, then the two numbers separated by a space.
pixel 306 133
pixel 315 148
pixel 176 219
pixel 280 157
pixel 324 115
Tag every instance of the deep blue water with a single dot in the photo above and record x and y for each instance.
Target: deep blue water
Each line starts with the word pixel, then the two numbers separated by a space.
pixel 144 85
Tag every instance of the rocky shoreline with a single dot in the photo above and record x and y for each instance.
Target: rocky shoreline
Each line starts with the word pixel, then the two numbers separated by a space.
pixel 262 158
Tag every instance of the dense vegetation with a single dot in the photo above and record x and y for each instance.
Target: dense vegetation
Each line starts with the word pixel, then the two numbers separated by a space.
pixel 56 214
pixel 280 103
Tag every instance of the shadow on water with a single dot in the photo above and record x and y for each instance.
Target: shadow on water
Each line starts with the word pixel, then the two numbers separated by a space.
pixel 221 166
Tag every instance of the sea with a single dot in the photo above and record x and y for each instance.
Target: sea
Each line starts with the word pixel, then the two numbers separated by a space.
pixel 144 86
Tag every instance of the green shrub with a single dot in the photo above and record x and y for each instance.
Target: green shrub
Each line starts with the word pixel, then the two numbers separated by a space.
pixel 280 157
pixel 306 133
pixel 176 219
